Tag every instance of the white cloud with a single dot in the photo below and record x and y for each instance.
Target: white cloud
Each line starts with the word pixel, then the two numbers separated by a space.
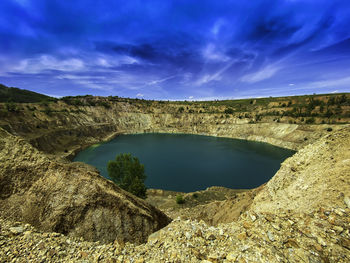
pixel 216 76
pixel 211 52
pixel 291 84
pixel 191 97
pixel 74 77
pixel 265 73
pixel 154 82
pixel 217 26
pixel 139 95
pixel 47 62
pixel 331 83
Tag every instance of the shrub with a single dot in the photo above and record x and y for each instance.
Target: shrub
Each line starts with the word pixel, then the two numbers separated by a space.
pixel 128 173
pixel 180 199
pixel 310 120
pixel 195 195
pixel 104 104
pixel 229 111
pixel 11 107
pixel 48 111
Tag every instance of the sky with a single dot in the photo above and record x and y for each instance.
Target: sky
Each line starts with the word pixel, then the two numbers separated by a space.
pixel 176 50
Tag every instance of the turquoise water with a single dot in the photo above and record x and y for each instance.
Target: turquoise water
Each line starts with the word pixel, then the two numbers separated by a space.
pixel 187 163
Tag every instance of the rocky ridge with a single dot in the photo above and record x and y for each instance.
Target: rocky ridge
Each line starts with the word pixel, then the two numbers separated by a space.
pixel 72 128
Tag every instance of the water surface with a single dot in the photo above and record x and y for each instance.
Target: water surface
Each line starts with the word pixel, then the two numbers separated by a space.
pixel 187 163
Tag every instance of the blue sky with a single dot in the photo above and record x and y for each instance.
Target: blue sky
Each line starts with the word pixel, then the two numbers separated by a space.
pixel 180 49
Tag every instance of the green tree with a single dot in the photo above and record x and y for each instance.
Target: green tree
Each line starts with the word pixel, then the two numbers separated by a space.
pixel 128 173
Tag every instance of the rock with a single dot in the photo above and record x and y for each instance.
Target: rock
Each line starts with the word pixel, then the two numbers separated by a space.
pixel 321 241
pixel 75 199
pixel 188 235
pixel 291 243
pixel 253 217
pixel 27 234
pixel 242 236
pixel 318 247
pixel 231 256
pixel 347 201
pixel 247 224
pixel 339 212
pixel 211 237
pixel 345 242
pixel 17 230
pixel 84 254
pixel 338 229
pixel 154 237
pixel 270 236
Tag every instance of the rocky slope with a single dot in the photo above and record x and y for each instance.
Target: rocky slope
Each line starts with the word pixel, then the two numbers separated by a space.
pixel 314 228
pixel 70 128
pixel 316 176
pixel 69 198
pixel 301 215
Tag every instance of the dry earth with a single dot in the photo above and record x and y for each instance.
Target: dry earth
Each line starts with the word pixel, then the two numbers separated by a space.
pixel 301 215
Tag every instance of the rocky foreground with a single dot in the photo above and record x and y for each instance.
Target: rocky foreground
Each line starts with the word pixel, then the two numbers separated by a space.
pixel 301 215
pixel 322 236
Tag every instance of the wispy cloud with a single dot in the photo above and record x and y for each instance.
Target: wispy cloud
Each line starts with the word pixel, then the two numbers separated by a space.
pixel 47 62
pixel 331 83
pixel 262 74
pixel 161 49
pixel 157 81
pixel 211 52
pixel 216 76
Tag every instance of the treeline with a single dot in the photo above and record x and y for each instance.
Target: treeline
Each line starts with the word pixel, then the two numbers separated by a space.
pixel 87 100
pixel 15 95
pixel 333 107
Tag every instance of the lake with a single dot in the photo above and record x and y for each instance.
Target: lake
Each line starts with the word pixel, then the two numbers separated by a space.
pixel 188 163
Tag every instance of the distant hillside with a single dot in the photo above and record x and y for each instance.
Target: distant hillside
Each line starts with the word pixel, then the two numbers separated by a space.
pixel 8 94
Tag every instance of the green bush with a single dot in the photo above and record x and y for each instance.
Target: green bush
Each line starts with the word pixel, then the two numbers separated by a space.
pixel 11 107
pixel 105 104
pixel 229 111
pixel 128 173
pixel 310 120
pixel 180 199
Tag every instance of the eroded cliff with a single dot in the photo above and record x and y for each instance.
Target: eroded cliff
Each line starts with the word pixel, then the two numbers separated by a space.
pixel 69 198
pixel 70 128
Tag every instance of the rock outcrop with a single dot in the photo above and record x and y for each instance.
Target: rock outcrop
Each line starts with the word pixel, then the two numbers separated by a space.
pixel 69 198
pixel 316 176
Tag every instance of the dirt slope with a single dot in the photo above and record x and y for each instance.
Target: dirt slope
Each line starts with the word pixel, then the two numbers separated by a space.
pixel 69 198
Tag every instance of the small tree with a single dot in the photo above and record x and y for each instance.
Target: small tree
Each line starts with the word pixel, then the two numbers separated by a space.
pixel 180 199
pixel 127 172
